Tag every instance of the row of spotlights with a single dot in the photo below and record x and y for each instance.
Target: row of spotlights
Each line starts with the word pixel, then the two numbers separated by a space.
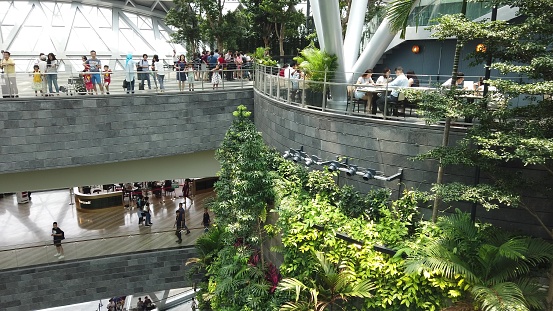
pixel 351 170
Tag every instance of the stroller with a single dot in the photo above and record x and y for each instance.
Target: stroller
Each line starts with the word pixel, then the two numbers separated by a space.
pixel 75 85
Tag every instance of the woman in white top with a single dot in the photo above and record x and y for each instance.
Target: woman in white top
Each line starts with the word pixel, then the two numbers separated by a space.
pixel 364 79
pixel 52 65
pixel 385 77
pixel 160 72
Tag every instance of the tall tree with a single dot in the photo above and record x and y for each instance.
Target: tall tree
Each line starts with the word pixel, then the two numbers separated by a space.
pixel 244 188
pixel 261 18
pixel 285 19
pixel 186 18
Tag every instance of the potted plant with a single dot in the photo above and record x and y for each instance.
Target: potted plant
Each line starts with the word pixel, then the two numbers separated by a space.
pixel 318 67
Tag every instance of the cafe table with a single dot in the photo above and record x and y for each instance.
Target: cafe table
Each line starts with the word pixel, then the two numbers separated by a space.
pixel 372 90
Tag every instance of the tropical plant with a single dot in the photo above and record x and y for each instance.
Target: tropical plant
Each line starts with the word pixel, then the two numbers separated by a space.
pixel 237 283
pixel 333 286
pixel 318 66
pixel 492 267
pixel 245 186
pixel 208 246
pixel 261 56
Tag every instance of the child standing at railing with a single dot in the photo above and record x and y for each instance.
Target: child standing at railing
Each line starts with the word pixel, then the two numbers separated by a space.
pixel 107 78
pixel 37 80
pixel 87 79
pixel 216 78
pixel 190 75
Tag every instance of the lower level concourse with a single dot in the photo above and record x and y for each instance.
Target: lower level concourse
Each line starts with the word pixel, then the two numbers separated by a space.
pixel 27 227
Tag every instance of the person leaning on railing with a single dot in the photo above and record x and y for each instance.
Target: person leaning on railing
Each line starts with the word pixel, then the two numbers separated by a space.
pixel 295 78
pixel 8 67
pixel 52 65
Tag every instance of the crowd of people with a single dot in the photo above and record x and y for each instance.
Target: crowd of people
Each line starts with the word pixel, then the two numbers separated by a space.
pixel 96 79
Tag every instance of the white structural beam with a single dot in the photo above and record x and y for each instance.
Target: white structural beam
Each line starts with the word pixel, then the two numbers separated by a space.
pixel 376 47
pixel 329 19
pixel 318 23
pixel 354 31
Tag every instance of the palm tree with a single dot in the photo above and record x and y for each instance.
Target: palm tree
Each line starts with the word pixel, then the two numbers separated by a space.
pixel 330 290
pixel 208 246
pixel 495 265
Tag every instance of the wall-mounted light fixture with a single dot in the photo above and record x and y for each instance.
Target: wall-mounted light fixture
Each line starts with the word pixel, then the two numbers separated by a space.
pixel 298 155
pixel 481 48
pixel 415 49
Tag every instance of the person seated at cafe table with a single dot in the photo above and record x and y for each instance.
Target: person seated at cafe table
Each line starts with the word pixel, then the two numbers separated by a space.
pixel 458 82
pixel 385 77
pixel 399 82
pixel 364 80
pixel 413 79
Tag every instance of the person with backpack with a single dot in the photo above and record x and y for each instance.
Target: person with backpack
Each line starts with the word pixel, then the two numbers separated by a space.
pixel 58 235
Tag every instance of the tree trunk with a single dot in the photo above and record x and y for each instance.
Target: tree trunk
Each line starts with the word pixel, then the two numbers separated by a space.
pixel 260 233
pixel 549 297
pixel 280 38
pixel 447 125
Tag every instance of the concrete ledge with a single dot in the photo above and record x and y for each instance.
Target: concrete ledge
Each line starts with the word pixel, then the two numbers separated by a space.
pixel 65 283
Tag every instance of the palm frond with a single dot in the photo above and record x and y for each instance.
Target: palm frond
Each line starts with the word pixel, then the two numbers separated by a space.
pixel 398 12
pixel 291 284
pixel 539 251
pixel 435 257
pixel 192 261
pixel 533 293
pixel 362 289
pixel 500 297
pixel 296 306
pixel 514 248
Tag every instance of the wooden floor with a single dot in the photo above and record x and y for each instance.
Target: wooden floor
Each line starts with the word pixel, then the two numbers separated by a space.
pixel 26 228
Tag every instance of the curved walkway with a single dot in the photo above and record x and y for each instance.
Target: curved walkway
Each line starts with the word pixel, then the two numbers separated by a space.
pixel 26 228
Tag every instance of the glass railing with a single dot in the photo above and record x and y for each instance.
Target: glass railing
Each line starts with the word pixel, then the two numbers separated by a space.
pixel 360 99
pixel 72 83
pixel 23 255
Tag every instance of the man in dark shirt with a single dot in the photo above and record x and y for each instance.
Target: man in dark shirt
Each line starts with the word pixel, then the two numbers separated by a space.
pixel 58 235
pixel 180 223
pixel 186 193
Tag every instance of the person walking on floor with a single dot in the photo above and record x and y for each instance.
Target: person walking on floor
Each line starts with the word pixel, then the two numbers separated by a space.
pixel 186 193
pixel 139 210
pixel 180 224
pixel 146 212
pixel 58 235
pixel 206 220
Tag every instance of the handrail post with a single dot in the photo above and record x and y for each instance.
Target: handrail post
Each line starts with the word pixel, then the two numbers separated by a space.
pixel 270 76
pixel 324 92
pixel 385 112
pixel 303 92
pixel 278 87
pixel 288 82
pixel 350 111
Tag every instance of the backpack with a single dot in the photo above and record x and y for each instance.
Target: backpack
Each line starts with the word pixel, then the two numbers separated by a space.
pixel 62 235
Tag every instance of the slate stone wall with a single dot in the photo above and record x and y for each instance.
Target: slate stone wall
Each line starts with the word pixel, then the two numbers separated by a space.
pixel 55 132
pixel 65 283
pixel 386 146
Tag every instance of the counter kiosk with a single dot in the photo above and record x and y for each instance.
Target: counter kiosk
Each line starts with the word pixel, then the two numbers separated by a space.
pixel 95 201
